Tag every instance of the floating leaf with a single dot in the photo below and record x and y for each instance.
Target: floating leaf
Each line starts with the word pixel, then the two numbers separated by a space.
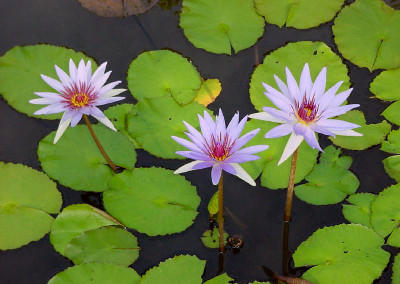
pixel 334 251
pixel 159 119
pixel 208 92
pixel 379 48
pixel 96 273
pixel 162 72
pixel 119 116
pixel 294 56
pixel 216 25
pixel 385 217
pixel 301 14
pixel 75 220
pixel 359 212
pixel 220 279
pixel 394 238
pixel 373 134
pixel 392 145
pixel 27 197
pixel 272 175
pixel 153 201
pixel 392 113
pixel 181 269
pixel 210 238
pixel 118 8
pixel 25 64
pixel 386 86
pixel 213 204
pixel 396 270
pixel 392 167
pixel 104 244
pixel 76 162
pixel 330 181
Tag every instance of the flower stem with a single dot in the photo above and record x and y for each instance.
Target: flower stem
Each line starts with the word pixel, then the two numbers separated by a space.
pixel 221 214
pixel 96 140
pixel 289 194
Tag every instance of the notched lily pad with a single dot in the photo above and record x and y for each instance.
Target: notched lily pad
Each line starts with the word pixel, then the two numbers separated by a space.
pixel 217 25
pixel 294 56
pixel 373 134
pixel 153 201
pixel 379 48
pixel 208 92
pixel 359 210
pixel 392 113
pixel 162 72
pixel 118 8
pixel 396 270
pixel 392 145
pixel 96 273
pixel 75 220
pixel 299 14
pixel 386 86
pixel 25 64
pixel 76 162
pixel 334 251
pixel 220 279
pixel 27 197
pixel 105 244
pixel 330 181
pixel 210 238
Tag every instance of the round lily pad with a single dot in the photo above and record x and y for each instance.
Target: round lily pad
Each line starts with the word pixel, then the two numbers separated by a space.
pixel 379 48
pixel 359 210
pixel 217 25
pixel 27 197
pixel 386 86
pixel 162 72
pixel 153 201
pixel 396 270
pixel 373 134
pixel 181 269
pixel 75 220
pixel 394 238
pixel 210 238
pixel 392 113
pixel 299 14
pixel 294 56
pixel 76 162
pixel 96 273
pixel 220 279
pixel 392 145
pixel 105 244
pixel 334 251
pixel 272 175
pixel 329 182
pixel 25 64
pixel 208 92
pixel 157 120
pixel 385 217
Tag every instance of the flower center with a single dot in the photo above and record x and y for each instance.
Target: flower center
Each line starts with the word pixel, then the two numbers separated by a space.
pixel 80 99
pixel 307 111
pixel 219 152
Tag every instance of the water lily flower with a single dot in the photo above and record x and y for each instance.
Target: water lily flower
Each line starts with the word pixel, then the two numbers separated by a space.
pixel 305 109
pixel 79 93
pixel 219 147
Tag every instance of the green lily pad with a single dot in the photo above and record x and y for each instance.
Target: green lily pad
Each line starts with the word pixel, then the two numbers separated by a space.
pixel 392 145
pixel 373 134
pixel 96 273
pixel 181 269
pixel 392 167
pixel 210 238
pixel 27 197
pixel 386 86
pixel 299 14
pixel 25 64
pixel 394 238
pixel 153 201
pixel 162 72
pixel 220 279
pixel 294 56
pixel 359 212
pixel 392 113
pixel 329 182
pixel 76 162
pixel 272 175
pixel 396 270
pixel 385 217
pixel 75 220
pixel 104 244
pixel 334 251
pixel 217 25
pixel 157 120
pixel 213 206
pixel 119 116
pixel 379 48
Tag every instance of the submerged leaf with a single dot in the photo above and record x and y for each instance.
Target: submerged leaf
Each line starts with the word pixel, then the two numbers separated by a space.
pixel 213 204
pixel 153 201
pixel 118 8
pixel 210 238
pixel 96 273
pixel 300 14
pixel 76 162
pixel 379 48
pixel 334 251
pixel 359 212
pixel 208 92
pixel 217 25
pixel 373 134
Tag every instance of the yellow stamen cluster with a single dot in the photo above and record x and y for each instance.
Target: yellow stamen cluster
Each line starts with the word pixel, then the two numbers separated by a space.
pixel 80 99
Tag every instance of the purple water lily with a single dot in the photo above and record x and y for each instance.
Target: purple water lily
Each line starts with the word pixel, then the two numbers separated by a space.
pixel 79 93
pixel 305 109
pixel 219 147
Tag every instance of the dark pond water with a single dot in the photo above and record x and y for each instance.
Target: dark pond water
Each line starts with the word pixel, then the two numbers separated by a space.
pixel 255 214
